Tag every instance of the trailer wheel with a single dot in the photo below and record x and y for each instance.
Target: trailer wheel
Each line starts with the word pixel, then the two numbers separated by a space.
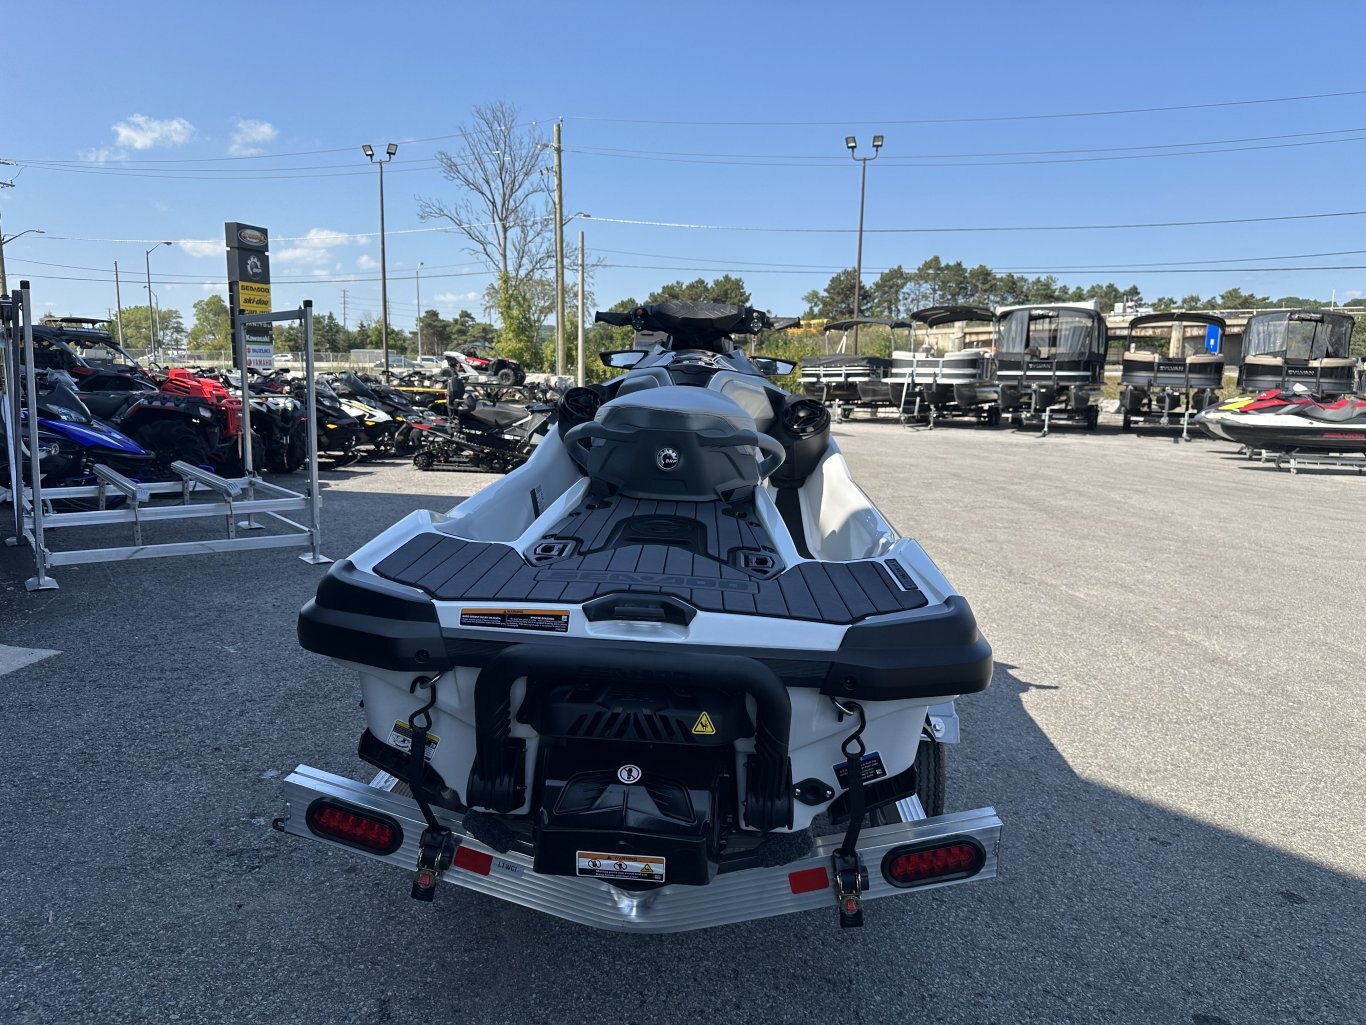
pixel 994 417
pixel 931 774
pixel 1092 417
pixel 423 460
pixel 1128 421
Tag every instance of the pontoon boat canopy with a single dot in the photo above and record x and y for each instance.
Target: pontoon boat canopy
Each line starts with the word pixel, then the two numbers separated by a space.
pixel 1299 334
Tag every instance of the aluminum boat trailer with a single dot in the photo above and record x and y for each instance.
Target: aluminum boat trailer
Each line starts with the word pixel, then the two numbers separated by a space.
pixel 953 848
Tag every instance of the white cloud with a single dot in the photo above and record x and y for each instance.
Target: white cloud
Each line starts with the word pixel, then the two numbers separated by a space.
pixel 314 248
pixel 457 298
pixel 199 247
pixel 367 262
pixel 101 155
pixel 249 135
pixel 213 286
pixel 141 132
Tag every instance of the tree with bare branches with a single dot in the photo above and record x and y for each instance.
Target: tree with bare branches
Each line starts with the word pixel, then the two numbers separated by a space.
pixel 506 212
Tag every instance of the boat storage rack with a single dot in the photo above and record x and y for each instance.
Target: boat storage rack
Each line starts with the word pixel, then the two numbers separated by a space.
pixel 200 493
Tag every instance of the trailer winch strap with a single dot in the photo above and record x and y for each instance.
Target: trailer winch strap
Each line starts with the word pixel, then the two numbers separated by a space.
pixel 851 877
pixel 436 848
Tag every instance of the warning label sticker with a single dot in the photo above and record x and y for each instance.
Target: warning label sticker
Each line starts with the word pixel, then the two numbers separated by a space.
pixel 872 769
pixel 704 726
pixel 401 737
pixel 544 620
pixel 641 867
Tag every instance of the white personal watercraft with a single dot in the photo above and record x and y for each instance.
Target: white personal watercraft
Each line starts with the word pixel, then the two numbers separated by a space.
pixel 673 672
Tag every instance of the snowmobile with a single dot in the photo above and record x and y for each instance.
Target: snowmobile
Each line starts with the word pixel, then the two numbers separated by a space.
pixel 378 427
pixel 673 672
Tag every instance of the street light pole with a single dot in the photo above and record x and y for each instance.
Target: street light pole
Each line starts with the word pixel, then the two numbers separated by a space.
pixel 419 310
pixel 151 321
pixel 852 143
pixel 369 152
pixel 4 285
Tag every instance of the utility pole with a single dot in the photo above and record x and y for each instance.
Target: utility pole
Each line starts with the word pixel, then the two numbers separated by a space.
pixel 343 309
pixel 559 254
pixel 419 309
pixel 579 364
pixel 118 300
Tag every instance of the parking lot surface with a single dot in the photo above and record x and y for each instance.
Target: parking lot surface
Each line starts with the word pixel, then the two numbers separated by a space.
pixel 1174 737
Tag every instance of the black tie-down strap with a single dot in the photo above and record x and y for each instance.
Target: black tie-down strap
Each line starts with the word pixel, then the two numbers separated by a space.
pixel 437 846
pixel 851 876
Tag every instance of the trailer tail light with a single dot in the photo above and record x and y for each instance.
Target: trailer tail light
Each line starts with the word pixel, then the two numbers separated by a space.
pixel 365 830
pixel 937 862
pixel 473 861
pixel 808 880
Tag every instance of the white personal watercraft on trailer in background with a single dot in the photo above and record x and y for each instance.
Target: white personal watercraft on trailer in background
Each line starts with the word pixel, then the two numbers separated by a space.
pixel 675 671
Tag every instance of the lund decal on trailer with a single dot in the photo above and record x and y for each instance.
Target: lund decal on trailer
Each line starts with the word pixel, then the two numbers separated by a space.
pixel 643 867
pixel 545 620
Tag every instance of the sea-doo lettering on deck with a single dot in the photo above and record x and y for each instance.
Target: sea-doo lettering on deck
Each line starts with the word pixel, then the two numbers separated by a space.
pixel 599 576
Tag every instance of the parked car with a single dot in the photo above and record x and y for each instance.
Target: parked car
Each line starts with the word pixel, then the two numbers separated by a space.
pixel 284 358
pixel 397 363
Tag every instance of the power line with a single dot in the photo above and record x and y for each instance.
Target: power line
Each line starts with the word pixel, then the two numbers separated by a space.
pixel 979 228
pixel 916 163
pixel 981 119
pixel 987 153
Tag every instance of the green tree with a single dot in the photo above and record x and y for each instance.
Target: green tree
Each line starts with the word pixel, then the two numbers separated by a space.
pixel 329 335
pixel 435 332
pixel 212 324
pixel 725 289
pixel 887 296
pixel 137 328
pixel 836 301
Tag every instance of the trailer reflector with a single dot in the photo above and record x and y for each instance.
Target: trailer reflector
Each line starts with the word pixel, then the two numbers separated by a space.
pixel 368 831
pixel 473 861
pixel 957 858
pixel 808 880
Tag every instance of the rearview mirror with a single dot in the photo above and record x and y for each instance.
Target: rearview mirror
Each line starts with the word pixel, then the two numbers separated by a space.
pixel 622 359
pixel 774 367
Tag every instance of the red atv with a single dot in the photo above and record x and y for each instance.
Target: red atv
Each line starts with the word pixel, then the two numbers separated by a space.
pixel 174 414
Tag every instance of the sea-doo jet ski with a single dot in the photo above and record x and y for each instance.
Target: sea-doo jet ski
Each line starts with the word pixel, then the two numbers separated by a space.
pixel 1303 426
pixel 673 672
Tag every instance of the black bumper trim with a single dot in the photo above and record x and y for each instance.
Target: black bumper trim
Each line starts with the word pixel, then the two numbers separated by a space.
pixel 359 617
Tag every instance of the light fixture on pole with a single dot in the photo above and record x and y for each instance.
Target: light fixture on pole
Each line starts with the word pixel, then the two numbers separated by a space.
pixel 852 143
pixel 369 152
pixel 151 322
pixel 4 286
pixel 418 276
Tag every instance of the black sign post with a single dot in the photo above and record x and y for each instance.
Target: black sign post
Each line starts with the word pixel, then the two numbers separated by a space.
pixel 248 281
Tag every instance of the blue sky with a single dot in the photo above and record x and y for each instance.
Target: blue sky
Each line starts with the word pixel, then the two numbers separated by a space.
pixel 167 127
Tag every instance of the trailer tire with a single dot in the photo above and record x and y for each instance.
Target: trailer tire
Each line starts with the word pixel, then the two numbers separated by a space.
pixel 931 774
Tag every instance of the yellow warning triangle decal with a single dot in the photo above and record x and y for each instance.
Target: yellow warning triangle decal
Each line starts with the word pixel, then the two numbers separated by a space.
pixel 703 725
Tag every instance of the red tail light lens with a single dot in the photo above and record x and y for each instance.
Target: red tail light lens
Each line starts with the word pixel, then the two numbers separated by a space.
pixel 377 834
pixel 938 862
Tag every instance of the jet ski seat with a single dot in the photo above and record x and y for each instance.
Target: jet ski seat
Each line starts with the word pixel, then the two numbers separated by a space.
pixel 674 443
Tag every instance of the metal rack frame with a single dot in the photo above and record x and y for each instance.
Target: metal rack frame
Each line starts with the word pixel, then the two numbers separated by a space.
pixel 247 496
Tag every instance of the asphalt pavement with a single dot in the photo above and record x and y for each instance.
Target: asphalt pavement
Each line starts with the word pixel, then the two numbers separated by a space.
pixel 1174 737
